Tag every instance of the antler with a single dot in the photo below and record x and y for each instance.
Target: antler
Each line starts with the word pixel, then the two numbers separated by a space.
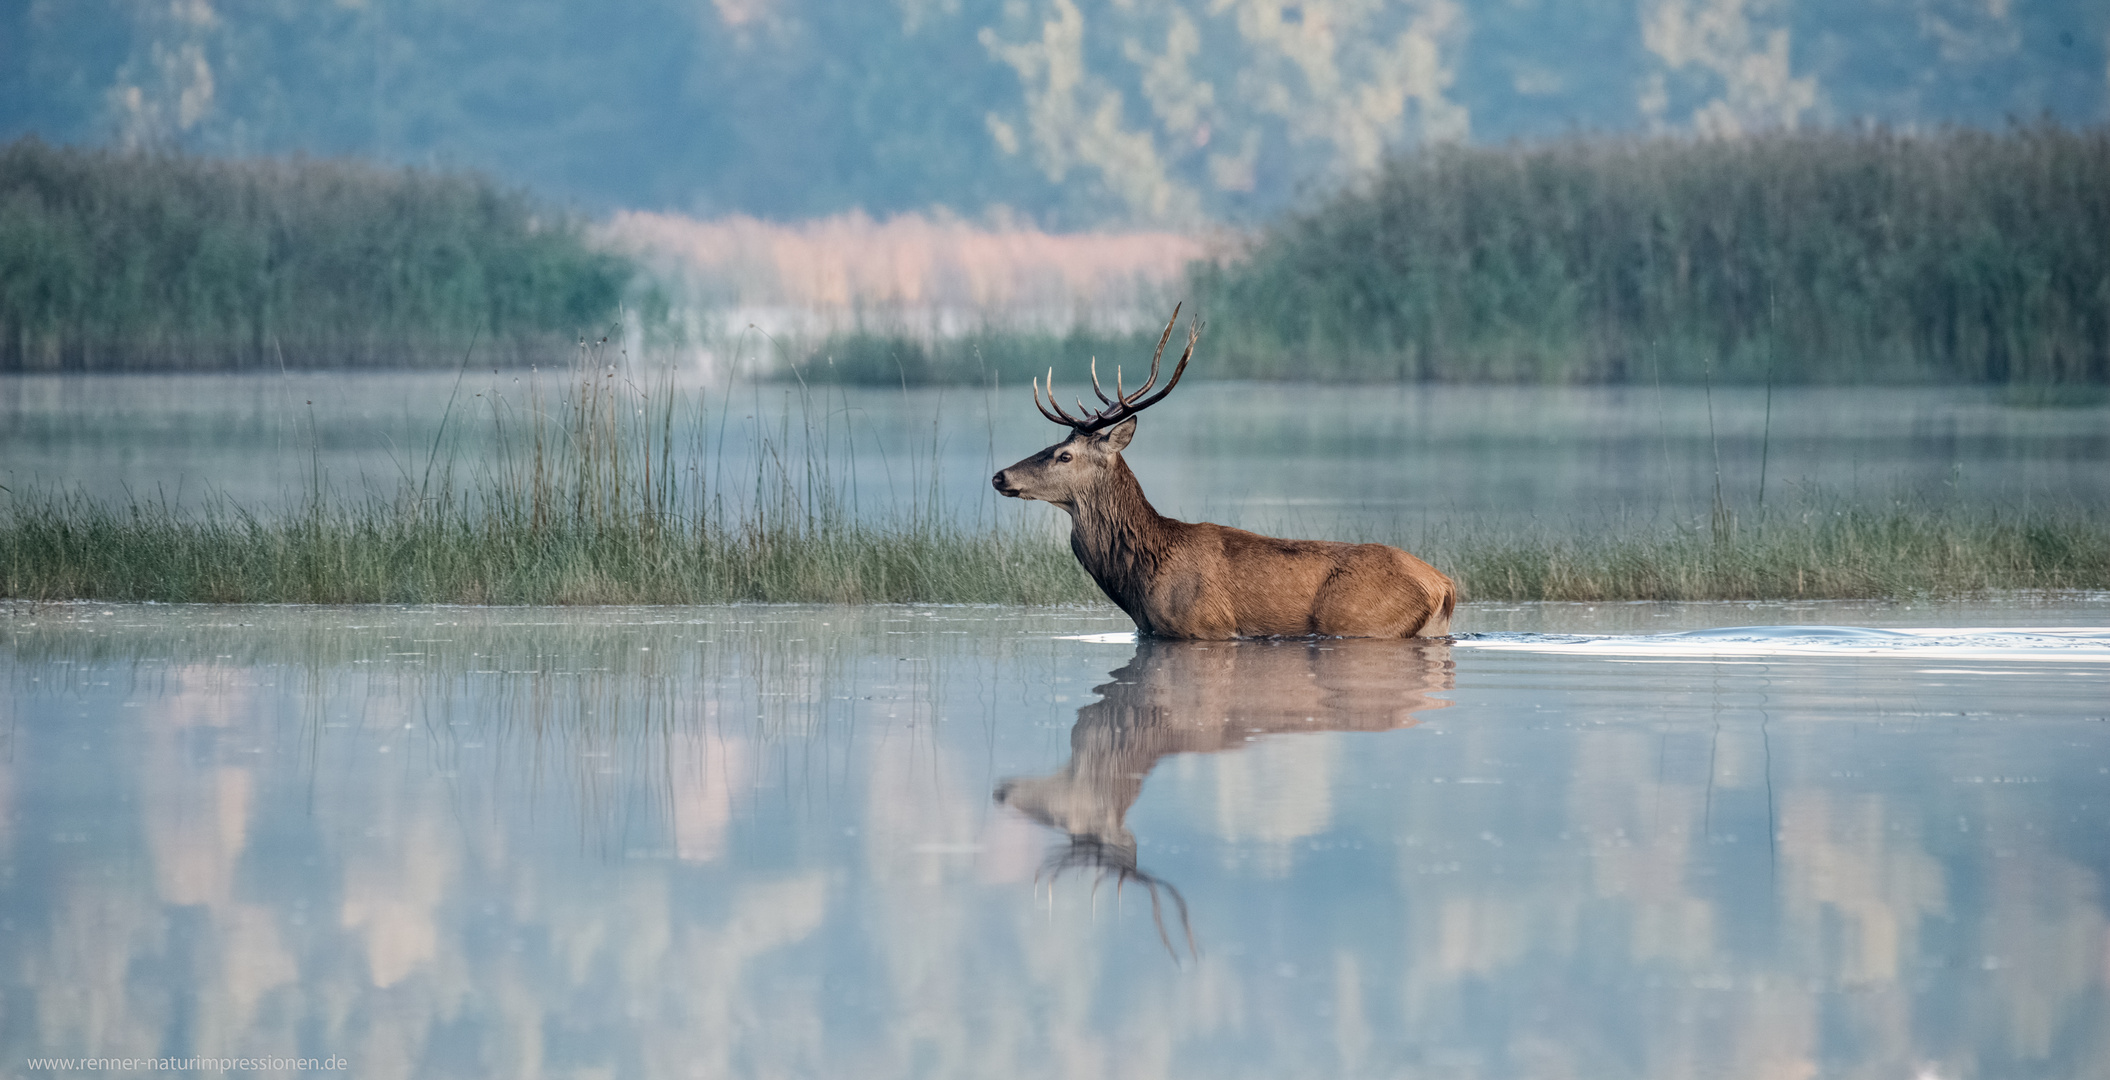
pixel 1092 853
pixel 1123 404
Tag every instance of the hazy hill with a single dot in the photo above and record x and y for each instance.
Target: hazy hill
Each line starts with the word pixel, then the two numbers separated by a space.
pixel 1071 113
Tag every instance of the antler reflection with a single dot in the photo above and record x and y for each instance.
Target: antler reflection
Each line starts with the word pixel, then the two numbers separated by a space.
pixel 1176 697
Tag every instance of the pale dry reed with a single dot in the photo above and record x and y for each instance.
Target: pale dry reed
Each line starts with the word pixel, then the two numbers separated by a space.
pixel 922 276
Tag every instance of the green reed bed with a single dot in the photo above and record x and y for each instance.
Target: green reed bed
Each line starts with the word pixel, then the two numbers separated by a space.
pixel 1836 552
pixel 449 553
pixel 596 494
pixel 1806 256
pixel 604 491
pixel 124 261
pixel 457 550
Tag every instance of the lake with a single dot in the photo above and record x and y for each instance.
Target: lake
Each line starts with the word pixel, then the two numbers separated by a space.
pixel 1636 840
pixel 1388 462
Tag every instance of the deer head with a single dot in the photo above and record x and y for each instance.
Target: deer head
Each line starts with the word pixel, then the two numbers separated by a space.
pixel 1064 472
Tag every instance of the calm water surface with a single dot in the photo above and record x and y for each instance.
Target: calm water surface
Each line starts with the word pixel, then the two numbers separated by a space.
pixel 1386 461
pixel 926 842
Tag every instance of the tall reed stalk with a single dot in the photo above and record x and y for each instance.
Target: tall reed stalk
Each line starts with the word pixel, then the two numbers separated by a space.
pixel 608 483
pixel 598 492
pixel 1822 549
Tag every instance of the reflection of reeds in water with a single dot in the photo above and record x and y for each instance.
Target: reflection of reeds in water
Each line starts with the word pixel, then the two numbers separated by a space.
pixel 299 902
pixel 641 728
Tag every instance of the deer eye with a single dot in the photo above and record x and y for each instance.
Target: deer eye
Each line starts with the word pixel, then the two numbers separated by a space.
pixel 1064 456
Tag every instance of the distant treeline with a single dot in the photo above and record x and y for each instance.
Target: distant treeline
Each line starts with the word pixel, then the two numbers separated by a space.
pixel 116 261
pixel 1865 256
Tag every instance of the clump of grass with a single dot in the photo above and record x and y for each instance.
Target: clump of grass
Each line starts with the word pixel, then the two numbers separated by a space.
pixel 116 261
pixel 446 552
pixel 1823 550
pixel 457 548
pixel 605 492
pixel 596 495
pixel 1834 256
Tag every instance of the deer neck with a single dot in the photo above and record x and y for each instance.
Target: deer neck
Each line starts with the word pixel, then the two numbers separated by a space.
pixel 1118 536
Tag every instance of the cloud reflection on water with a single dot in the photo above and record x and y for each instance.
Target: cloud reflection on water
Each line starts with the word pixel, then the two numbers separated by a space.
pixel 760 841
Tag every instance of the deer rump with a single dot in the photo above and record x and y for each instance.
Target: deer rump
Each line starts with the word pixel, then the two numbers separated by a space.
pixel 1179 579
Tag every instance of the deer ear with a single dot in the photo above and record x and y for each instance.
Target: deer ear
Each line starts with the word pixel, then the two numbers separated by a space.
pixel 1115 439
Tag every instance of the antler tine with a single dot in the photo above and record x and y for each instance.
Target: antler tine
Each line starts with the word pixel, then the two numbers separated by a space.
pixel 1194 334
pixel 1185 924
pixel 1058 414
pixel 1095 854
pixel 1160 354
pixel 1103 399
pixel 1036 400
pixel 1123 404
pixel 1152 883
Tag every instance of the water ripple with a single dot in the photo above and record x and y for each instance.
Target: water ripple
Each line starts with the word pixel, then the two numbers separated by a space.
pixel 2057 644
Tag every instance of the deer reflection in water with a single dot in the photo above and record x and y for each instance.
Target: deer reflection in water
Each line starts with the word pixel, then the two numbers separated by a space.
pixel 1178 697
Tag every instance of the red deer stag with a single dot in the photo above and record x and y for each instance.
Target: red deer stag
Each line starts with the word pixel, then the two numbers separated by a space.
pixel 1197 580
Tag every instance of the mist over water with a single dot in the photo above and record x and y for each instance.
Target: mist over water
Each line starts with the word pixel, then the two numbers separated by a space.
pixel 1385 462
pixel 754 840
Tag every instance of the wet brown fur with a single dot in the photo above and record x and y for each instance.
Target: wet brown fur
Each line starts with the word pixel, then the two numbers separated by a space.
pixel 1180 579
